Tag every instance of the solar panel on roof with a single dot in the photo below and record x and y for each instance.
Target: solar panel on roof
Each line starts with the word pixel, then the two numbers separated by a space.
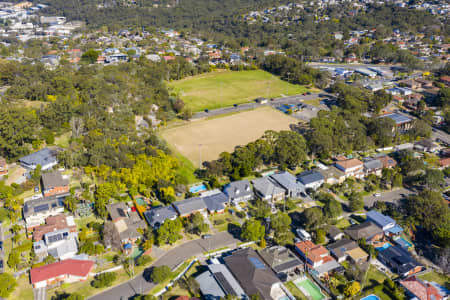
pixel 55 238
pixel 257 263
pixel 224 283
pixel 42 207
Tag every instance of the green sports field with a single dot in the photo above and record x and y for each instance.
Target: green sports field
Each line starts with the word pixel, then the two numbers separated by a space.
pixel 225 88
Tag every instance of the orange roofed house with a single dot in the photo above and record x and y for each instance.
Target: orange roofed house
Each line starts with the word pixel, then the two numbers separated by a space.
pixel 66 271
pixel 54 223
pixel 351 167
pixel 418 289
pixel 317 257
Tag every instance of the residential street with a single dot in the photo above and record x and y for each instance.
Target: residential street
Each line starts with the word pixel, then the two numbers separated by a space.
pixel 390 196
pixel 139 285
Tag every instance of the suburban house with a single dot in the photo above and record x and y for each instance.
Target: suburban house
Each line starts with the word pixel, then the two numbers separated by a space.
pixel 66 271
pixel 126 222
pixel 281 260
pixel 46 158
pixel 387 224
pixel 3 166
pixel 335 233
pixel 36 211
pixel 267 190
pixel 332 175
pixel 61 244
pixel 311 179
pixel 190 206
pixel 54 223
pixel 387 161
pixel 367 230
pixel 293 188
pixel 347 249
pixel 53 184
pixel 399 261
pixel 351 167
pixel 416 288
pixel 239 191
pixel 253 275
pixel 157 216
pixel 402 122
pixel 317 257
pixel 373 166
pixel 217 282
pixel 215 201
pixel 426 145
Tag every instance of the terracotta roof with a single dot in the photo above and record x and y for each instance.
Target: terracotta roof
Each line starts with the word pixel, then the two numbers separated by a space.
pixel 349 163
pixel 387 161
pixel 53 223
pixel 315 252
pixel 420 289
pixel 444 162
pixel 75 267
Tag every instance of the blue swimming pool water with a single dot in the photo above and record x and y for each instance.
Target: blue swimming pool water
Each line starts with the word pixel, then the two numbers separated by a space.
pixel 403 243
pixel 370 297
pixel 385 246
pixel 197 188
pixel 284 298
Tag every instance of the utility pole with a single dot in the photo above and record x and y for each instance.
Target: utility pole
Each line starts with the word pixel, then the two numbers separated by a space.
pixel 200 156
pixel 287 86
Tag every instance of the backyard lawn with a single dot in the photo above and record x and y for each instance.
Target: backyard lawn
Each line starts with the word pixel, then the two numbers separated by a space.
pixel 225 88
pixel 295 291
pixel 436 277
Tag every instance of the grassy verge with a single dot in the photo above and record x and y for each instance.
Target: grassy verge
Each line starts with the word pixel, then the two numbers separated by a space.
pixel 178 271
pixel 215 250
pixel 440 279
pixel 23 289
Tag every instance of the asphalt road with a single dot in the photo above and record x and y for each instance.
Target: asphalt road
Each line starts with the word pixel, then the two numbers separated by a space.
pixel 391 196
pixel 139 285
pixel 246 106
pixel 439 135
pixel 351 66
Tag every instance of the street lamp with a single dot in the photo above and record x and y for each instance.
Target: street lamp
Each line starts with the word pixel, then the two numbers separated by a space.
pixel 200 156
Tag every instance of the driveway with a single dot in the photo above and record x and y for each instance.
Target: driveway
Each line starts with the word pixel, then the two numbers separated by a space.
pixel 391 196
pixel 40 294
pixel 139 285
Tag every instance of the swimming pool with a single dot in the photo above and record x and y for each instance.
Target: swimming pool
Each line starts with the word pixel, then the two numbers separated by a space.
pixel 403 243
pixel 197 188
pixel 309 289
pixel 384 247
pixel 371 297
pixel 283 298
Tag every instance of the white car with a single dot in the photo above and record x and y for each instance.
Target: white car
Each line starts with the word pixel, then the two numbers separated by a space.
pixel 377 195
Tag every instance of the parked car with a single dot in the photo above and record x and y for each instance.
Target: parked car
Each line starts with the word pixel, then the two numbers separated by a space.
pixel 377 195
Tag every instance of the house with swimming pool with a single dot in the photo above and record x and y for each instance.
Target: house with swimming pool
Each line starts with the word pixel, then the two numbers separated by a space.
pixel 399 261
pixel 386 223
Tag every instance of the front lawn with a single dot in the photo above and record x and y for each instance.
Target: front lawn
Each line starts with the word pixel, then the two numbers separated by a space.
pixel 221 221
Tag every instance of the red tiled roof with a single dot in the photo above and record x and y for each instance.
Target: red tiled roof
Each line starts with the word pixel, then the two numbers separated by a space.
pixel 422 290
pixel 75 267
pixel 349 163
pixel 315 253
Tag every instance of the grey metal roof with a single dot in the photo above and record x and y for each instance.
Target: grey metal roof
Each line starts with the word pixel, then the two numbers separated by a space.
pixel 69 246
pixel 398 118
pixel 373 164
pixel 333 231
pixel 42 157
pixel 237 189
pixel 209 287
pixel 327 267
pixel 287 181
pixel 398 259
pixel 157 216
pixel 308 177
pixel 53 179
pixel 190 205
pixel 266 187
pixel 226 280
pixel 380 219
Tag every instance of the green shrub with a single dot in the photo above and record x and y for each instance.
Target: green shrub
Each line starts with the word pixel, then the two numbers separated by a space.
pixel 104 280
